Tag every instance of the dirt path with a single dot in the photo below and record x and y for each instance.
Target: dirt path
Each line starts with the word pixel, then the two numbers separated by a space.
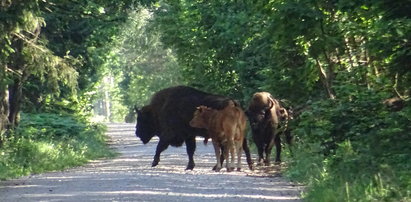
pixel 130 177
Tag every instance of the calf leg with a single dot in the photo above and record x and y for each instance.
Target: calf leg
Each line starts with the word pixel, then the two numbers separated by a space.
pixel 238 150
pixel 221 156
pixel 190 147
pixel 217 150
pixel 232 155
pixel 161 146
pixel 227 150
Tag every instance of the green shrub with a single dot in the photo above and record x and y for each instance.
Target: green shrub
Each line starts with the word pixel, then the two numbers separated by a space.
pixel 353 150
pixel 45 142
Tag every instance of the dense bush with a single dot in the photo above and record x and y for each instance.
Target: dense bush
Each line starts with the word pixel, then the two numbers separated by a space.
pixel 354 149
pixel 44 142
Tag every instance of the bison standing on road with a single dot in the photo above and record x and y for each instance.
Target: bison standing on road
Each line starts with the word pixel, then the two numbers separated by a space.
pixel 168 116
pixel 265 113
pixel 226 128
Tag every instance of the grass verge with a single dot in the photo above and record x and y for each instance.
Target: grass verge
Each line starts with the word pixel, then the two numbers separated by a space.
pixel 46 142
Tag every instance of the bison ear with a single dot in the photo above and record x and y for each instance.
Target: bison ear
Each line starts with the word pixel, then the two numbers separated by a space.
pixel 271 104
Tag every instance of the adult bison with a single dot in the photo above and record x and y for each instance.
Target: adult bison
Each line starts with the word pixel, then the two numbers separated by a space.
pixel 265 114
pixel 168 116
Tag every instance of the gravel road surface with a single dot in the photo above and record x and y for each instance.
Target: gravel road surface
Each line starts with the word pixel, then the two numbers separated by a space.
pixel 130 177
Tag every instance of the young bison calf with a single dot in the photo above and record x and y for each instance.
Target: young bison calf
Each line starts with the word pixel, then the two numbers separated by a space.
pixel 226 129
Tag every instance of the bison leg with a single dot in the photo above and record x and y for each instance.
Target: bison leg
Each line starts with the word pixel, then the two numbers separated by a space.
pixel 221 157
pixel 232 156
pixel 238 150
pixel 218 154
pixel 190 147
pixel 260 149
pixel 267 151
pixel 247 154
pixel 228 161
pixel 278 148
pixel 161 146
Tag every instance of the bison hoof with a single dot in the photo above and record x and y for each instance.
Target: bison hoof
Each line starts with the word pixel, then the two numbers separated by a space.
pixel 250 165
pixel 190 166
pixel 238 169
pixel 217 169
pixel 154 164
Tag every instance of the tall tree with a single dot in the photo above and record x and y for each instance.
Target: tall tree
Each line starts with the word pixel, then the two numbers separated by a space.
pixel 140 61
pixel 24 53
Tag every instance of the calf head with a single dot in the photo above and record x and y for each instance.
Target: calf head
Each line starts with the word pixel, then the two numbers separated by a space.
pixel 145 127
pixel 201 117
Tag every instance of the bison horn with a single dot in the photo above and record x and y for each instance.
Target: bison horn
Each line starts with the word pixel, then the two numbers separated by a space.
pixel 271 104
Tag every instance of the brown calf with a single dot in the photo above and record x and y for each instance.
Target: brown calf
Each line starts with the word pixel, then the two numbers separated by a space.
pixel 226 128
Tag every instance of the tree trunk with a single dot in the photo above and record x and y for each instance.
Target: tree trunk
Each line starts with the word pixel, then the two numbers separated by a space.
pixel 15 89
pixel 326 80
pixel 15 97
pixel 4 111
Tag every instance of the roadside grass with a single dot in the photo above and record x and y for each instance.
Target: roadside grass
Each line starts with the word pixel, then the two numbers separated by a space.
pixel 346 179
pixel 342 153
pixel 47 142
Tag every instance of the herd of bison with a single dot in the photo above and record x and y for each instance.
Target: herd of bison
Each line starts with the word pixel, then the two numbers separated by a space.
pixel 178 114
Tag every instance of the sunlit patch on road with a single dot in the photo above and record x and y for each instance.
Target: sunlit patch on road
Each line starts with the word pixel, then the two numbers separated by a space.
pixel 130 177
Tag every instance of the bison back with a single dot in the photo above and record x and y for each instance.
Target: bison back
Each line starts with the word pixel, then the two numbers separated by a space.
pixel 173 108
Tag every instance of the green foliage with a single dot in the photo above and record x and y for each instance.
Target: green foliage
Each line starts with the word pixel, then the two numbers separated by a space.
pixel 140 65
pixel 45 142
pixel 354 144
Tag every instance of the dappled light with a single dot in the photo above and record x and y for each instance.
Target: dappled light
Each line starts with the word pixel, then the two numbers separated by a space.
pixel 131 177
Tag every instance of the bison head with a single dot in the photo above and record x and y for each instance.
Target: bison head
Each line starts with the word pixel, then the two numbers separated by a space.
pixel 282 114
pixel 257 118
pixel 200 117
pixel 260 110
pixel 145 127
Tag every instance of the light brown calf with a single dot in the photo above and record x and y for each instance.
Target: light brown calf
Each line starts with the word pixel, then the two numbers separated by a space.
pixel 226 128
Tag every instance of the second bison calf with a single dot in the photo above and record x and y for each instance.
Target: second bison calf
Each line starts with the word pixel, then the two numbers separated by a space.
pixel 226 128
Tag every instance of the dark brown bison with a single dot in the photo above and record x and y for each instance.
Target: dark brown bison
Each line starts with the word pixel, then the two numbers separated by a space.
pixel 265 115
pixel 168 116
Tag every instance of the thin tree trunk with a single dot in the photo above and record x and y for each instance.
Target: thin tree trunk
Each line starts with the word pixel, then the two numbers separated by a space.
pixel 325 80
pixel 18 75
pixel 15 97
pixel 4 111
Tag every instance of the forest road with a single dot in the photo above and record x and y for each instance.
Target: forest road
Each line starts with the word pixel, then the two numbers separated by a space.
pixel 130 177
